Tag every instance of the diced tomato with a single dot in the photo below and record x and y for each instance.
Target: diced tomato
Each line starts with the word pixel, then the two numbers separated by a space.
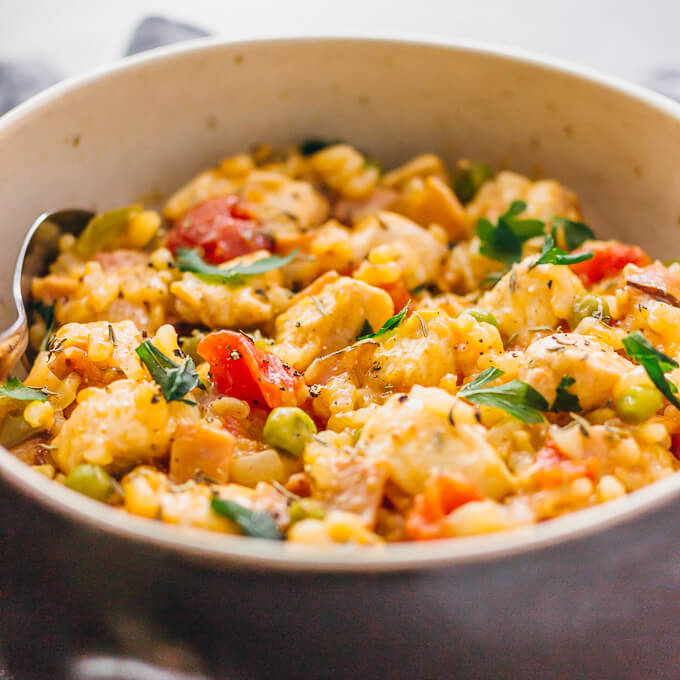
pixel 675 445
pixel 220 228
pixel 608 260
pixel 552 468
pixel 239 369
pixel 398 292
pixel 441 496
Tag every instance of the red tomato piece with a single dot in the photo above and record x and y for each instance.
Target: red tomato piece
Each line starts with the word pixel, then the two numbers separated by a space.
pixel 239 369
pixel 398 291
pixel 441 496
pixel 552 468
pixel 608 260
pixel 220 228
pixel 675 445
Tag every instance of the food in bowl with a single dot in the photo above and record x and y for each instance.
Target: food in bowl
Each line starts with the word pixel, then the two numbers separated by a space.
pixel 306 347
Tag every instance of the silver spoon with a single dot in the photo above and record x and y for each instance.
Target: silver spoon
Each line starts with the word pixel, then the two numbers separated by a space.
pixel 37 251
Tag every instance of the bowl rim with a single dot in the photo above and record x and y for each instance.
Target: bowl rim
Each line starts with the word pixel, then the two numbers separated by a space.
pixel 236 552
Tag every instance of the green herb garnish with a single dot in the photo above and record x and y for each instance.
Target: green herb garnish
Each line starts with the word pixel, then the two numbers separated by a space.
pixel 175 380
pixel 517 398
pixel 654 362
pixel 469 178
pixel 366 330
pixel 252 522
pixel 575 233
pixel 310 146
pixel 551 254
pixel 191 261
pixel 15 389
pixel 46 313
pixel 565 401
pixel 503 242
pixel 389 325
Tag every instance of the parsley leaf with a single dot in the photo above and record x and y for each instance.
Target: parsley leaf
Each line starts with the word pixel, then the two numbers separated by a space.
pixel 252 522
pixel 15 389
pixel 565 401
pixel 654 362
pixel 175 380
pixel 46 313
pixel 551 254
pixel 191 261
pixel 503 242
pixel 366 330
pixel 389 325
pixel 517 398
pixel 310 146
pixel 469 178
pixel 575 233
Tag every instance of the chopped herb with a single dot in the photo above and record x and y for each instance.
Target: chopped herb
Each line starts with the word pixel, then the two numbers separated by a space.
pixel 503 242
pixel 310 146
pixel 252 522
pixel 390 324
pixel 112 336
pixel 565 400
pixel 654 362
pixel 175 380
pixel 469 178
pixel 423 327
pixel 366 330
pixel 517 398
pixel 191 261
pixel 46 313
pixel 15 389
pixel 318 305
pixel 575 233
pixel 551 254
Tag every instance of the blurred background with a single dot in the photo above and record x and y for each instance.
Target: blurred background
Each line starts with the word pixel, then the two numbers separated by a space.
pixel 42 40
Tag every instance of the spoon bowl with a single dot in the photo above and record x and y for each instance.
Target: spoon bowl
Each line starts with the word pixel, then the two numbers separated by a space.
pixel 38 249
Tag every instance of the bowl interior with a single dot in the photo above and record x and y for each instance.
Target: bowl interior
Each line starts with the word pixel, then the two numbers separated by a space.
pixel 139 130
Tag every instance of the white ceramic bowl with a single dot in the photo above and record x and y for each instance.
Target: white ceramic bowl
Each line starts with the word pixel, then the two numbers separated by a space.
pixel 144 126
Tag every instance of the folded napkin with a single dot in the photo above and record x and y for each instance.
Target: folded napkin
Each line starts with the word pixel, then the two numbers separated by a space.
pixel 19 79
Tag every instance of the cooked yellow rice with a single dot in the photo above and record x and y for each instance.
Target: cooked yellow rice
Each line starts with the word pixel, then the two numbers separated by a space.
pixel 399 454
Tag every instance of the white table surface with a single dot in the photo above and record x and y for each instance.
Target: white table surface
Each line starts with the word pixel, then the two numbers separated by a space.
pixel 628 38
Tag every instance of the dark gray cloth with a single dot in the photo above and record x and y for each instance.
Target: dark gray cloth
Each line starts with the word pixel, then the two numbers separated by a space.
pixel 22 78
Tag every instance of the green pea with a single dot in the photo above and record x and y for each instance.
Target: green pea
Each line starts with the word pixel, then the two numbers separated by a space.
pixel 588 305
pixel 638 403
pixel 92 481
pixel 305 508
pixel 289 429
pixel 482 315
pixel 469 178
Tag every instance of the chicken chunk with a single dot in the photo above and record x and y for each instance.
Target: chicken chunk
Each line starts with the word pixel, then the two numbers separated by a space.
pixel 430 432
pixel 328 320
pixel 545 199
pixel 124 424
pixel 98 351
pixel 419 252
pixel 283 205
pixel 201 448
pixel 595 367
pixel 345 482
pixel 529 297
pixel 218 305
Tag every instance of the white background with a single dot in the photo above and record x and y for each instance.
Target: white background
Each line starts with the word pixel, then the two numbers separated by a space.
pixel 632 39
